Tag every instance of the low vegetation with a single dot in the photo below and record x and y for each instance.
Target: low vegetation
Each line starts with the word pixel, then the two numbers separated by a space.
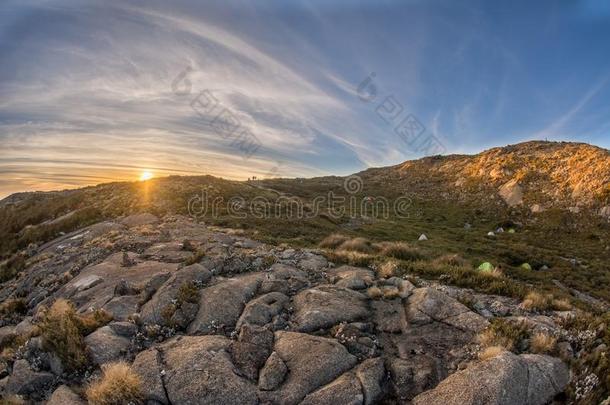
pixel 511 336
pixel 118 385
pixel 63 330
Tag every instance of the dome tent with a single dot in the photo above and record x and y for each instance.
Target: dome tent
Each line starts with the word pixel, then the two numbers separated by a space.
pixel 486 267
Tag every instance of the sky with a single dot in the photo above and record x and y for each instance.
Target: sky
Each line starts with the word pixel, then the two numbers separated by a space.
pixel 98 91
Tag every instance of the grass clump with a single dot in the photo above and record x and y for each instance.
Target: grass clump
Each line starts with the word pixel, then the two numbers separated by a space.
pixel 388 269
pixel 374 293
pixel 508 335
pixel 62 332
pixel 541 343
pixel 400 251
pixel 361 245
pixel 535 301
pixel 118 385
pixel 491 352
pixel 333 241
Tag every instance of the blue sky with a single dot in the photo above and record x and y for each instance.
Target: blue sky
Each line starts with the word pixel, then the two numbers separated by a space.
pixel 86 90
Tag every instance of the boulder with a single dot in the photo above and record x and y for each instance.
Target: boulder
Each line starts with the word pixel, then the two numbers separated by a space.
pixel 511 193
pixel 313 263
pixel 285 279
pixel 502 380
pixel 221 305
pixel 261 310
pixel 389 316
pixel 199 371
pixel 312 362
pixel 153 311
pixel 356 278
pixel 25 381
pixel 149 367
pixel 65 396
pixel 122 307
pixel 427 304
pixel 105 345
pixel 7 335
pixel 414 375
pixel 344 390
pixel 251 349
pixel 371 373
pixel 325 306
pixel 273 373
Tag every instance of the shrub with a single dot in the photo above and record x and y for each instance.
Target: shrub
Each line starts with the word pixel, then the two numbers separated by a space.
pixel 491 352
pixel 401 251
pixel 390 292
pixel 562 304
pixel 187 293
pixel 542 343
pixel 509 335
pixel 333 241
pixel 13 306
pixel 62 331
pixel 11 267
pixel 195 258
pixel 118 385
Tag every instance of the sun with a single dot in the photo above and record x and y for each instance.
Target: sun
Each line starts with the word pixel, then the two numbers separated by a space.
pixel 146 175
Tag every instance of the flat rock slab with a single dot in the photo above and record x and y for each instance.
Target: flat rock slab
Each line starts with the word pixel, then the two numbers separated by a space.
pixel 427 304
pixel 325 306
pixel 94 286
pixel 312 362
pixel 221 305
pixel 503 380
pixel 199 371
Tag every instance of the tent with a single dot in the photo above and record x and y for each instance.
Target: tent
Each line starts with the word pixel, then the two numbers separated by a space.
pixel 526 266
pixel 486 267
pixel 423 237
pixel 511 230
pixel 491 233
pixel 500 230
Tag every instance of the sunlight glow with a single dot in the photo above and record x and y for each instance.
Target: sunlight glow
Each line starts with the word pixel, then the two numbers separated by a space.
pixel 146 175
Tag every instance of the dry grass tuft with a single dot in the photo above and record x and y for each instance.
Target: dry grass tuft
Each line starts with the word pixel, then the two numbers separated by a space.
pixel 62 331
pixel 562 304
pixel 452 260
pixel 400 251
pixel 361 245
pixel 118 385
pixel 541 343
pixel 390 292
pixel 374 293
pixel 388 269
pixel 534 301
pixel 543 302
pixel 491 352
pixel 508 335
pixel 352 258
pixel 333 241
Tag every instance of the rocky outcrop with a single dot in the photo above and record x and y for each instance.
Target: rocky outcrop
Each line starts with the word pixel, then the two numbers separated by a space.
pixel 325 306
pixel 312 361
pixel 221 305
pixel 503 380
